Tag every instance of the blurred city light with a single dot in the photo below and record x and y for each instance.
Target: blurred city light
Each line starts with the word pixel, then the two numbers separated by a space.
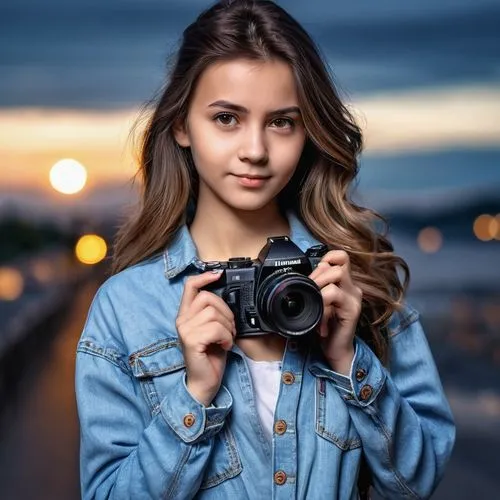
pixel 11 283
pixel 430 240
pixel 91 249
pixel 487 227
pixel 42 270
pixel 68 176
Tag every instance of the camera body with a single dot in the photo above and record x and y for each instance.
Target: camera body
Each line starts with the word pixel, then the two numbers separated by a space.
pixel 272 293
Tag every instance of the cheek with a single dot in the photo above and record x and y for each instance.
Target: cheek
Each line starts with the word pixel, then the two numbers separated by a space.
pixel 287 156
pixel 209 152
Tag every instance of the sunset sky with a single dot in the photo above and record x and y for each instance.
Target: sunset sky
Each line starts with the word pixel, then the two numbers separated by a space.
pixel 32 140
pixel 420 80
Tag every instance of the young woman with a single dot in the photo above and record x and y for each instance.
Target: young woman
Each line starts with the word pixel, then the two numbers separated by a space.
pixel 249 140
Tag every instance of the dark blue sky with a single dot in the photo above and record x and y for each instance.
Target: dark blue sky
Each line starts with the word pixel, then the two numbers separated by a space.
pixel 106 54
pixel 112 54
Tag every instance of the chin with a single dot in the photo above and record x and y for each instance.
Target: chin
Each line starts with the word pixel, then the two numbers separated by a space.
pixel 248 205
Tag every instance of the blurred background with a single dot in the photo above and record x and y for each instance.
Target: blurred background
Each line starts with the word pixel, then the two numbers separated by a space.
pixel 422 77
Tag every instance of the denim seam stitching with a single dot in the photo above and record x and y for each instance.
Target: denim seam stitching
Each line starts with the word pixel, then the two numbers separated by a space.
pixel 154 348
pixel 150 395
pixel 400 480
pixel 180 466
pixel 234 467
pixel 343 444
pixel 160 371
pixel 106 356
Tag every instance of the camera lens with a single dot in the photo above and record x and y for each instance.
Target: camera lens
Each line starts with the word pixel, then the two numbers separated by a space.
pixel 291 303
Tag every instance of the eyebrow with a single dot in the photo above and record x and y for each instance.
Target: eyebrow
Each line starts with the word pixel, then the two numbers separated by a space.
pixel 242 109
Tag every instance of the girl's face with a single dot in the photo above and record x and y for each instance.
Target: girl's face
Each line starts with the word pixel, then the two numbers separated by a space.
pixel 245 132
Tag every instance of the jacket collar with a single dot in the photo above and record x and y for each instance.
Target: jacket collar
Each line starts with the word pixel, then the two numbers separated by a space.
pixel 182 254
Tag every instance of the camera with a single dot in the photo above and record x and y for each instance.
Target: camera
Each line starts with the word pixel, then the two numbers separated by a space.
pixel 272 293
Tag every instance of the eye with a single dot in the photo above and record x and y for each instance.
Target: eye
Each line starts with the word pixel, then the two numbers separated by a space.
pixel 283 123
pixel 225 119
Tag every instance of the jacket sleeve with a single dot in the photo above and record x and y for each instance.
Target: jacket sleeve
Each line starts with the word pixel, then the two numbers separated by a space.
pixel 125 452
pixel 401 414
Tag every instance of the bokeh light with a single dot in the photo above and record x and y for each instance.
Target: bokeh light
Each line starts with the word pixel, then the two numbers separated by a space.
pixel 42 270
pixel 68 176
pixel 11 283
pixel 486 227
pixel 430 240
pixel 497 219
pixel 91 249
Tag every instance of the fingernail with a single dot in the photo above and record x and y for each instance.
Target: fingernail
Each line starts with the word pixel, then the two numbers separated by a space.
pixel 216 271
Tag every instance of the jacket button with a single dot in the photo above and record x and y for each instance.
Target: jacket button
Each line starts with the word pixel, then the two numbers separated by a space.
pixel 189 420
pixel 360 374
pixel 280 427
pixel 292 345
pixel 288 378
pixel 365 392
pixel 280 477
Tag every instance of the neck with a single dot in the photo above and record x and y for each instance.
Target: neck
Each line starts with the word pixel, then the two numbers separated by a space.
pixel 220 233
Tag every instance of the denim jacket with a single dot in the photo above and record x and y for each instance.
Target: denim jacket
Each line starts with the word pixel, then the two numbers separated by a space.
pixel 143 436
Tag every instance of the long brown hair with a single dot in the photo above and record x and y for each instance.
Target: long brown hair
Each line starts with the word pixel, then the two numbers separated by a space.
pixel 320 191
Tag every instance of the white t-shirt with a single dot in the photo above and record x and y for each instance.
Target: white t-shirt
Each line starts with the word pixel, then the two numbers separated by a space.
pixel 266 384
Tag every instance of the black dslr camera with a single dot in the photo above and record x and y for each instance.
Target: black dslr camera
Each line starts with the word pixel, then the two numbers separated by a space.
pixel 272 293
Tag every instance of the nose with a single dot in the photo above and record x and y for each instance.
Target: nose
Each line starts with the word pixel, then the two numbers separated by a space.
pixel 253 147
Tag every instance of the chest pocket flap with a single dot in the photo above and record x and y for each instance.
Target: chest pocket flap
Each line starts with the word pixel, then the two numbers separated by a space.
pixel 157 367
pixel 159 358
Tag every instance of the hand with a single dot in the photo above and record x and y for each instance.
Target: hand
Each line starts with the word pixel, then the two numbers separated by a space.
pixel 206 329
pixel 342 308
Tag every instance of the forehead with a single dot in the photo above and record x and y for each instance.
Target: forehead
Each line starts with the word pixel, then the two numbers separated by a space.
pixel 255 85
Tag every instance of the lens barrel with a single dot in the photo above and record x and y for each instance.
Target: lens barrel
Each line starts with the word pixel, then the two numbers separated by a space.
pixel 290 303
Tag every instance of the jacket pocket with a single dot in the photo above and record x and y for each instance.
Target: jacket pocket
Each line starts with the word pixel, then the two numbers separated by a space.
pixel 333 422
pixel 152 366
pixel 225 460
pixel 158 367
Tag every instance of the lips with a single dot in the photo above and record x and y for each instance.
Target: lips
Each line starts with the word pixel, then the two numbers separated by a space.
pixel 252 181
pixel 250 176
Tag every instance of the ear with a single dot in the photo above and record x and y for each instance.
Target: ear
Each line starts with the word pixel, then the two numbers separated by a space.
pixel 181 134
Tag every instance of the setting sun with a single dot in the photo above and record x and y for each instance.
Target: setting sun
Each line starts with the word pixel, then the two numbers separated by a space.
pixel 68 176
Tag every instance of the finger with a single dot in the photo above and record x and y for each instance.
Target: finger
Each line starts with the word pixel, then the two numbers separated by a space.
pixel 334 274
pixel 208 334
pixel 205 299
pixel 210 314
pixel 328 312
pixel 343 302
pixel 319 269
pixel 333 296
pixel 193 286
pixel 339 257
